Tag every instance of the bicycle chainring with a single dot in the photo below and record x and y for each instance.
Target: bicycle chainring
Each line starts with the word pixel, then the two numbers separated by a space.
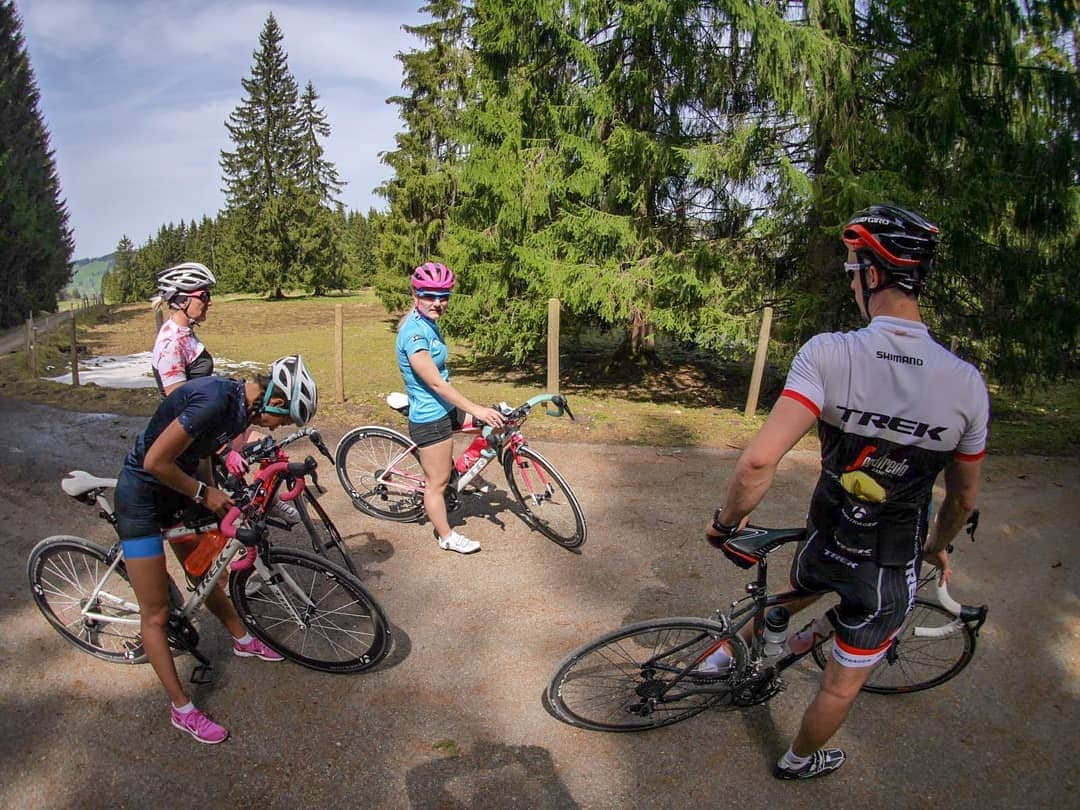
pixel 754 692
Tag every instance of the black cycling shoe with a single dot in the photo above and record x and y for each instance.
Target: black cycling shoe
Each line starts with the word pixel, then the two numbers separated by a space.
pixel 822 762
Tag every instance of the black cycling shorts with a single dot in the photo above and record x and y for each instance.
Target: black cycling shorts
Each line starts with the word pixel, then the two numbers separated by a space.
pixel 874 599
pixel 426 434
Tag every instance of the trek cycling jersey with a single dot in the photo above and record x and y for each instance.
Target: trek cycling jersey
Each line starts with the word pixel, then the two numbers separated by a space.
pixel 416 334
pixel 212 410
pixel 179 356
pixel 893 407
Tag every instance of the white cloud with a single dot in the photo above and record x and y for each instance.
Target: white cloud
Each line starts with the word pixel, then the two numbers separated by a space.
pixel 136 95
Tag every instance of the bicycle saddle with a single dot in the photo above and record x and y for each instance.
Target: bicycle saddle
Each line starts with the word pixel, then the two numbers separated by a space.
pixel 399 402
pixel 80 482
pixel 752 544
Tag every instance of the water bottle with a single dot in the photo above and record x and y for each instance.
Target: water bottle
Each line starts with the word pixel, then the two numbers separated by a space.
pixel 486 455
pixel 776 622
pixel 210 545
pixel 471 454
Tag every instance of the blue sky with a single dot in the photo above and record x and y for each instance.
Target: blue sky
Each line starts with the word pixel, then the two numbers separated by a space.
pixel 135 94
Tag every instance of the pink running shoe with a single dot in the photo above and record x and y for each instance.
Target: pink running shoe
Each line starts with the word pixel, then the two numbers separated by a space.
pixel 255 649
pixel 199 726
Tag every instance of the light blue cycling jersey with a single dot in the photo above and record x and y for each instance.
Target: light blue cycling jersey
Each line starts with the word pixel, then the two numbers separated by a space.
pixel 417 333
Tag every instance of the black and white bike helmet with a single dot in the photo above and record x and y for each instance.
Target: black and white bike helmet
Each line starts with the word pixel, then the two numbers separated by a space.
pixel 175 283
pixel 290 376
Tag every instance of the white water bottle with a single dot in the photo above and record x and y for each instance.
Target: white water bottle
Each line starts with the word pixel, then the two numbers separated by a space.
pixel 776 622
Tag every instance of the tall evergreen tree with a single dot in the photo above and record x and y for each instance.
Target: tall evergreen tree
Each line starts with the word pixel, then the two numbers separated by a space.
pixel 422 190
pixel 35 240
pixel 315 173
pixel 265 128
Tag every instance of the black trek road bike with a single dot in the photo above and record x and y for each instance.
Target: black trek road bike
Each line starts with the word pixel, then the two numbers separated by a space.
pixel 646 675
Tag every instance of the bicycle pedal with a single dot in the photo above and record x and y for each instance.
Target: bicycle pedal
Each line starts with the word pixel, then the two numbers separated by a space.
pixel 202 674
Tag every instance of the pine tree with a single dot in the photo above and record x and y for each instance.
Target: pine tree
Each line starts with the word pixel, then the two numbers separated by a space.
pixel 265 128
pixel 118 285
pixel 422 190
pixel 35 240
pixel 315 172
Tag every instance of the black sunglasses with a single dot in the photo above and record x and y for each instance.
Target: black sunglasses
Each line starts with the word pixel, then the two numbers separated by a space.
pixel 202 295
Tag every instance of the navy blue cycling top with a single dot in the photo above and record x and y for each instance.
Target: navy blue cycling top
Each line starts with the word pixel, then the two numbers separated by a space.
pixel 211 409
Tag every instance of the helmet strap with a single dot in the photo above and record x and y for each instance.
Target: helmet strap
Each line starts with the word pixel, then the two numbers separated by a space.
pixel 267 407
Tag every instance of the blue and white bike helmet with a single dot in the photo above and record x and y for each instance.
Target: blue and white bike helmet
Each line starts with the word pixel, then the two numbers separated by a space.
pixel 290 377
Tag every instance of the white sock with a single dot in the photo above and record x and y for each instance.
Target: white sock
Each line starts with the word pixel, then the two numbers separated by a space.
pixel 718 659
pixel 187 708
pixel 245 639
pixel 793 761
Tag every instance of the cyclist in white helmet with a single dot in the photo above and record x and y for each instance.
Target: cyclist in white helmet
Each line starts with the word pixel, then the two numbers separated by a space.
pixel 178 354
pixel 157 481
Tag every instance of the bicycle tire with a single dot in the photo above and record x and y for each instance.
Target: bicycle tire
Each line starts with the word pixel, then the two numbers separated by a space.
pixel 915 663
pixel 63 572
pixel 362 457
pixel 556 512
pixel 604 686
pixel 337 599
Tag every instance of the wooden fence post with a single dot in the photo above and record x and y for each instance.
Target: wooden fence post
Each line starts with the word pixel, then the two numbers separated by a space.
pixel 759 363
pixel 953 343
pixel 553 346
pixel 74 353
pixel 339 358
pixel 31 347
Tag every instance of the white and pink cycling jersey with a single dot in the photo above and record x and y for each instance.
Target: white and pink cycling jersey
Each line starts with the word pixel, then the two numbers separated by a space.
pixel 175 351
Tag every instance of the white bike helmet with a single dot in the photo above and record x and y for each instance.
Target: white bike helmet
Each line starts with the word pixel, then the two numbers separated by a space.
pixel 290 376
pixel 176 282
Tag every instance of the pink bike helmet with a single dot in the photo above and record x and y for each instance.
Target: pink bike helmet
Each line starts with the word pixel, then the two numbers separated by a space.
pixel 434 277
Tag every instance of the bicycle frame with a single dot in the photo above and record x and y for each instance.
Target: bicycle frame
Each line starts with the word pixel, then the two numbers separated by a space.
pixel 759 601
pixel 403 482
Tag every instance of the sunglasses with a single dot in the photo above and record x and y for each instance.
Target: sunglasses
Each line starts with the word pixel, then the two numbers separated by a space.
pixel 433 296
pixel 202 295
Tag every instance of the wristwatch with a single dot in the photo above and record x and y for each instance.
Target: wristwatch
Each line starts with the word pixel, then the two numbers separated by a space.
pixel 722 528
pixel 200 493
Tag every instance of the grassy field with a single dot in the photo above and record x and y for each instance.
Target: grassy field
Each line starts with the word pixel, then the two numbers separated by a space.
pixel 685 402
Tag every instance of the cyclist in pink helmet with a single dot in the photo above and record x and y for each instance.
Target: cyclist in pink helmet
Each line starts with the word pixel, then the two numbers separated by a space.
pixel 436 408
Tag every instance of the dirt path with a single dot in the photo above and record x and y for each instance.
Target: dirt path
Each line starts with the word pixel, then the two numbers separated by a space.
pixel 478 637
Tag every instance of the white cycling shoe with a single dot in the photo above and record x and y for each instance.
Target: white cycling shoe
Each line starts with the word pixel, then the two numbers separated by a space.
pixel 459 543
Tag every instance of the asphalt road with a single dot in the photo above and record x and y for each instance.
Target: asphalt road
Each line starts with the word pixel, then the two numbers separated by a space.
pixel 454 717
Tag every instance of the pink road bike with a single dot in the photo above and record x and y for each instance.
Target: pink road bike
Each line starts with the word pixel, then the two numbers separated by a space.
pixel 380 470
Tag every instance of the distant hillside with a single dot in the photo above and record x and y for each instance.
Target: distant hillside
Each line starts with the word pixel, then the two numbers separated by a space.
pixel 86 276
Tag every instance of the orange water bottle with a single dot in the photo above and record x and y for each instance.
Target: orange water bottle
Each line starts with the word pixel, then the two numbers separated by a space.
pixel 210 545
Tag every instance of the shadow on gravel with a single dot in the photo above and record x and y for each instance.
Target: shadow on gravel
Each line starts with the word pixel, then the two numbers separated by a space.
pixel 489 775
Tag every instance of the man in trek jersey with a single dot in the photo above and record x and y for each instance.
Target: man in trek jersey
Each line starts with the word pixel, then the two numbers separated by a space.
pixel 893 409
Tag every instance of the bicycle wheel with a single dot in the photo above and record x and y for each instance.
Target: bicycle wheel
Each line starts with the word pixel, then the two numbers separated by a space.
pixel 64 572
pixel 380 473
pixel 313 612
pixel 317 527
pixel 621 681
pixel 549 503
pixel 917 662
